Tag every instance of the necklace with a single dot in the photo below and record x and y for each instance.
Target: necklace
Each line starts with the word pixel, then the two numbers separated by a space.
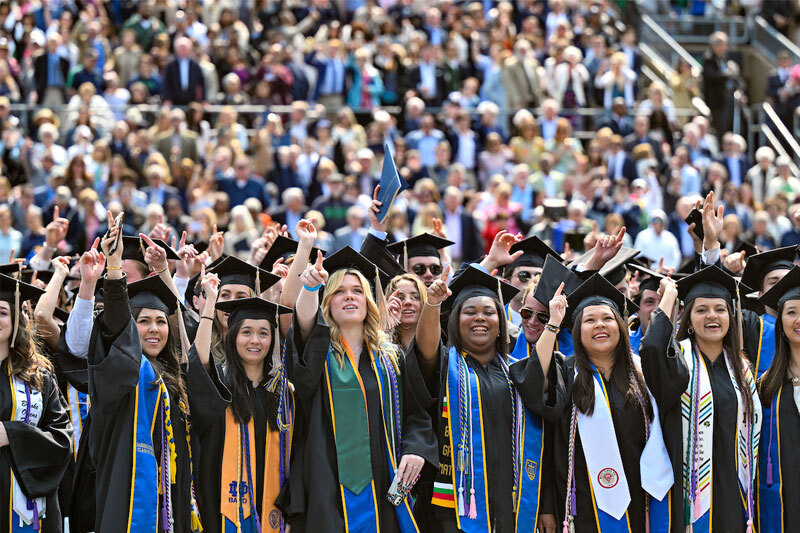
pixel 795 379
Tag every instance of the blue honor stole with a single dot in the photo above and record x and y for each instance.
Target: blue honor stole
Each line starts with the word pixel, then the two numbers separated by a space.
pixel 636 338
pixel 360 508
pixel 143 514
pixel 770 475
pixel 465 420
pixel 78 411
pixel 766 344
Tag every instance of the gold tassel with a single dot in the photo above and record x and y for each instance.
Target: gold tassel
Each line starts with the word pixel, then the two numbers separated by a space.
pixel 16 314
pixel 503 309
pixel 184 336
pixel 258 282
pixel 380 300
pixel 405 256
pixel 739 318
pixel 276 346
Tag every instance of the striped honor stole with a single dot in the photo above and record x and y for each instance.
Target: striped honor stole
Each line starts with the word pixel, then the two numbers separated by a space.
pixel 27 406
pixel 697 410
pixel 461 483
pixel 766 343
pixel 348 408
pixel 770 474
pixel 78 411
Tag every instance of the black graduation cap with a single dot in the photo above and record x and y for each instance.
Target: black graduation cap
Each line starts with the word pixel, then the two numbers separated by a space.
pixel 710 282
pixel 553 273
pixel 134 248
pixel 347 257
pixel 597 290
pixel 44 275
pixel 475 282
pixel 255 308
pixel 614 270
pixel 61 314
pixel 752 303
pixel 284 247
pixel 196 278
pixel 749 249
pixel 648 279
pixel 15 292
pixel 759 265
pixel 688 266
pixel 697 217
pixel 152 293
pixel 534 252
pixel 788 288
pixel 424 245
pixel 11 269
pixel 233 270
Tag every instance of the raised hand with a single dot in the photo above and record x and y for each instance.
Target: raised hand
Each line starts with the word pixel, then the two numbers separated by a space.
pixel 735 262
pixel 160 231
pixel 115 259
pixel 395 307
pixel 215 244
pixel 91 264
pixel 210 284
pixel 187 266
pixel 633 284
pixel 60 265
pixel 315 274
pixel 712 222
pixel 306 232
pixel 155 256
pixel 605 250
pixel 591 238
pixel 56 231
pixel 499 254
pixel 279 269
pixel 374 209
pixel 439 229
pixel 558 307
pixel 438 291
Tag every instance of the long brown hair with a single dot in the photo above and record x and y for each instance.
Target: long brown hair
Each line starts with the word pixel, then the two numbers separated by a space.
pixel 731 344
pixel 167 362
pixel 625 374
pixel 773 379
pixel 27 359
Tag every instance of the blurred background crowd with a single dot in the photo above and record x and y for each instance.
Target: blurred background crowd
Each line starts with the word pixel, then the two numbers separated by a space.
pixel 543 117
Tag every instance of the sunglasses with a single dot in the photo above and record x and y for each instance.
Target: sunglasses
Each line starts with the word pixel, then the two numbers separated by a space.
pixel 524 276
pixel 419 270
pixel 526 313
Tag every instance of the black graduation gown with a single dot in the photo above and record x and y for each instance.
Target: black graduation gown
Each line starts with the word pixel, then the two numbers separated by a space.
pixel 114 358
pixel 315 503
pixel 556 407
pixel 667 377
pixel 790 459
pixel 38 455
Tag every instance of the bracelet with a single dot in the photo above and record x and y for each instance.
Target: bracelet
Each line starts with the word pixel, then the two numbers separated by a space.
pixel 113 268
pixel 315 288
pixel 433 305
pixel 161 271
pixel 207 318
pixel 551 327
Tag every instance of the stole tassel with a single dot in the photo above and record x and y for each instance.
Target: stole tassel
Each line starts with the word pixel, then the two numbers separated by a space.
pixel 573 501
pixel 769 470
pixel 461 511
pixel 473 509
pixel 750 526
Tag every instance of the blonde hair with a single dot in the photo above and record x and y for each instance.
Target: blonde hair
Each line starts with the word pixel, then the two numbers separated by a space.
pixel 374 336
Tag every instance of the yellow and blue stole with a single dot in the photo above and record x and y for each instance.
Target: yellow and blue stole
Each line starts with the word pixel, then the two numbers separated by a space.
pixel 78 411
pixel 143 510
pixel 348 407
pixel 27 405
pixel 766 344
pixel 468 441
pixel 770 474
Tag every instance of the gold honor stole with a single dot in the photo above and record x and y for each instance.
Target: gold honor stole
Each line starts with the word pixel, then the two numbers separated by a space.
pixel 348 407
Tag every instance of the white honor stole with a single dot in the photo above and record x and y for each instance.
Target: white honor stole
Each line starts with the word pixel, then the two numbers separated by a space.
pixel 697 406
pixel 604 462
pixel 28 406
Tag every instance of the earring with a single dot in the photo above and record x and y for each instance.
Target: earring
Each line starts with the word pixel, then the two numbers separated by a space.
pixel 690 330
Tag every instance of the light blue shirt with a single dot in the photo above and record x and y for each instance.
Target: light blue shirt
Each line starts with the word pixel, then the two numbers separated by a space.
pixel 183 69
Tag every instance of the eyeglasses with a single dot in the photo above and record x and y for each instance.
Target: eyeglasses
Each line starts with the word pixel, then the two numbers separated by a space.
pixel 420 269
pixel 524 276
pixel 526 313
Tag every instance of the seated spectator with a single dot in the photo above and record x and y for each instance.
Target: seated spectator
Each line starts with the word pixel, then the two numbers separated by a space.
pixel 784 182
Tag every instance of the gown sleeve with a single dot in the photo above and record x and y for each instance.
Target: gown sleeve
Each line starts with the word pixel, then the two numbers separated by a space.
pixel 425 392
pixel 72 367
pixel 751 329
pixel 308 358
pixel 528 378
pixel 40 454
pixel 208 396
pixel 664 370
pixel 419 436
pixel 115 351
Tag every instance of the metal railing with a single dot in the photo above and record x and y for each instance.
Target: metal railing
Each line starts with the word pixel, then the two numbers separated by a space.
pixel 665 48
pixel 695 30
pixel 769 41
pixel 772 140
pixel 769 118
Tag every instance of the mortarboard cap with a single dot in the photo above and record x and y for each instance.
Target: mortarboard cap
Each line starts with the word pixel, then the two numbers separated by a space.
pixel 8 287
pixel 392 184
pixel 134 248
pixel 233 270
pixel 424 245
pixel 11 269
pixel 597 290
pixel 44 275
pixel 475 282
pixel 760 265
pixel 696 217
pixel 254 308
pixel 347 257
pixel 788 288
pixel 152 293
pixel 534 252
pixel 553 273
pixel 648 279
pixel 284 247
pixel 710 282
pixel 749 249
pixel 614 270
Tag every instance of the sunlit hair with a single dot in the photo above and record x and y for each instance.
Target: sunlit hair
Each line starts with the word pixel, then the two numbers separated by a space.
pixel 375 338
pixel 418 285
pixel 530 288
pixel 730 343
pixel 772 380
pixel 27 357
pixel 625 375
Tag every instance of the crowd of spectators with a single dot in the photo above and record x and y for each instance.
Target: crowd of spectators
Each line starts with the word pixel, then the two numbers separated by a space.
pixel 530 116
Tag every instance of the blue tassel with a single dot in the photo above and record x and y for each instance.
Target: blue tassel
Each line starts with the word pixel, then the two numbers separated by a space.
pixel 461 511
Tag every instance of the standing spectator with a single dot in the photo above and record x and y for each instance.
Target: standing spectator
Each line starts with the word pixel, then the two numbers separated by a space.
pixel 145 25
pixel 685 87
pixel 523 77
pixel 620 164
pixel 331 72
pixel 50 74
pixel 461 228
pixel 779 13
pixel 177 143
pixel 690 177
pixel 720 81
pixel 127 57
pixel 780 91
pixel 617 82
pixel 656 243
pixel 569 81
pixel 427 77
pixel 366 84
pixel 183 79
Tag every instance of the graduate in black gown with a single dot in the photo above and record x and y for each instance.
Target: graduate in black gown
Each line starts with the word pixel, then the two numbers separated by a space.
pixel 245 447
pixel 139 439
pixel 491 447
pixel 612 469
pixel 779 390
pixel 35 431
pixel 361 421
pixel 701 376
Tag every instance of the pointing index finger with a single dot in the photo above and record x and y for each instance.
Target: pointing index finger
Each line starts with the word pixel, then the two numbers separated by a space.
pixel 445 274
